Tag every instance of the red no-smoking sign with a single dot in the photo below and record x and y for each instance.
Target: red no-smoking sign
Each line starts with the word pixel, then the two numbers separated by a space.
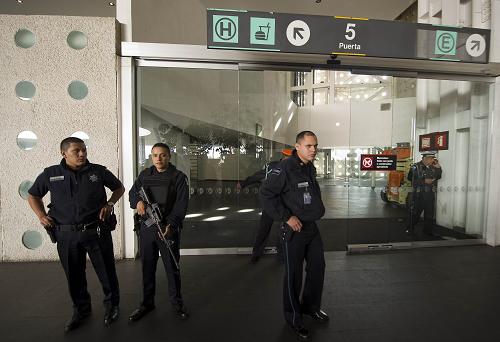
pixel 378 162
pixel 367 162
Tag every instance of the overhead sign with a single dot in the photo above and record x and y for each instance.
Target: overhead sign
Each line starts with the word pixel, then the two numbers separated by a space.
pixel 378 162
pixel 337 35
pixel 433 141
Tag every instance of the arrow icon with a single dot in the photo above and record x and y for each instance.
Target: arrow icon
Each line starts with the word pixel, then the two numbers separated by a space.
pixel 475 44
pixel 296 32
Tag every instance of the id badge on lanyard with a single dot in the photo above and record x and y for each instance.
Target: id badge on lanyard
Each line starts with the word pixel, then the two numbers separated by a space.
pixel 307 194
pixel 307 197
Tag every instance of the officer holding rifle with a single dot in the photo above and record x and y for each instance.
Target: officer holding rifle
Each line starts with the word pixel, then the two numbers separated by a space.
pixel 160 194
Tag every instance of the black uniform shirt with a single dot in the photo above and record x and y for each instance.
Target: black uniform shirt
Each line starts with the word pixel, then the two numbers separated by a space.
pixel 419 173
pixel 285 189
pixel 169 189
pixel 76 197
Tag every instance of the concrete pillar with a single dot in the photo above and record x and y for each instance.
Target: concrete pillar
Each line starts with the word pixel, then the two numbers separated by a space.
pixel 481 13
pixel 446 122
pixel 495 32
pixel 124 17
pixel 460 182
pixel 493 203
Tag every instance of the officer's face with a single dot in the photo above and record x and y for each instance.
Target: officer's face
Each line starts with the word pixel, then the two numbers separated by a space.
pixel 75 155
pixel 307 148
pixel 428 160
pixel 160 157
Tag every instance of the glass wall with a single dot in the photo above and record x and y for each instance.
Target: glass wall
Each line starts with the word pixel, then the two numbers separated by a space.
pixel 224 125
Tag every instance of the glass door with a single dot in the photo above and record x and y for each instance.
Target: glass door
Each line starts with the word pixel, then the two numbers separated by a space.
pixel 407 118
pixel 224 124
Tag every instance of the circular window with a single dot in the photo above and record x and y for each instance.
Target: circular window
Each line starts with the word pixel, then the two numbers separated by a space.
pixel 24 38
pixel 26 140
pixel 24 187
pixel 32 239
pixel 77 40
pixel 78 90
pixel 25 90
pixel 82 135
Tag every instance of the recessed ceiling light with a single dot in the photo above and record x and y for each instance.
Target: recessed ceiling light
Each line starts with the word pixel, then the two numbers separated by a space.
pixel 111 3
pixel 214 218
pixel 193 215
pixel 19 1
pixel 318 1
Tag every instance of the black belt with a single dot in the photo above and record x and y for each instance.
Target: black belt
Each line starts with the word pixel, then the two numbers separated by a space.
pixel 77 227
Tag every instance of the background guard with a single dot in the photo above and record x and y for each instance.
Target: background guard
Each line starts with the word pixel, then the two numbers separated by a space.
pixel 424 176
pixel 266 221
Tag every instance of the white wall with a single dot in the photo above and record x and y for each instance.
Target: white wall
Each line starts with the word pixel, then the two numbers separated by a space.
pixel 51 65
pixel 361 123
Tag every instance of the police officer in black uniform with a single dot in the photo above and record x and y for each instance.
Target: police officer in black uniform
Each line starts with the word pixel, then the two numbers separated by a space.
pixel 77 213
pixel 292 195
pixel 168 187
pixel 424 176
pixel 266 221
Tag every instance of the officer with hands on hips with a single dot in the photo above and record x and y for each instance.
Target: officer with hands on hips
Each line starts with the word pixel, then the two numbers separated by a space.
pixel 292 195
pixel 424 176
pixel 77 216
pixel 168 187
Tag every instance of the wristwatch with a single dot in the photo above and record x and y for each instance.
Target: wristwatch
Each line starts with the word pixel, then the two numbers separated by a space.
pixel 111 203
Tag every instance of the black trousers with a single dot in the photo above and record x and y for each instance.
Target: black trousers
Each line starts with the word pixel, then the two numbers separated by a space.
pixel 424 202
pixel 72 247
pixel 266 222
pixel 108 254
pixel 150 246
pixel 307 246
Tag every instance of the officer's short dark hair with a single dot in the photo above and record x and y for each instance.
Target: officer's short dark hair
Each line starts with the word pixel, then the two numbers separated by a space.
pixel 162 145
pixel 66 142
pixel 302 134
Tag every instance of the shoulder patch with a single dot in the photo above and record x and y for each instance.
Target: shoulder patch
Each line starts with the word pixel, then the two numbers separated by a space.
pixel 276 171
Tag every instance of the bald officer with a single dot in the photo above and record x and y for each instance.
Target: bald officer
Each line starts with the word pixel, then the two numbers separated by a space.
pixel 291 194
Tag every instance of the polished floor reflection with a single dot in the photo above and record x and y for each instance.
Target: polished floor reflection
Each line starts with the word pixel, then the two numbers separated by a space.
pixel 218 216
pixel 429 294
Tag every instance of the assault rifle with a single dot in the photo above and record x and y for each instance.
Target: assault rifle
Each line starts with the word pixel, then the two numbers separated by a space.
pixel 154 218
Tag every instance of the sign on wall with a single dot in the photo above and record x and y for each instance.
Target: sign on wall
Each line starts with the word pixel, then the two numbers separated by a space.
pixel 337 35
pixel 433 141
pixel 378 162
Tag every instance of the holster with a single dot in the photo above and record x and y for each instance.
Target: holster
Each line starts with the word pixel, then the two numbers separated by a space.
pixel 52 234
pixel 286 232
pixel 110 223
pixel 137 223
